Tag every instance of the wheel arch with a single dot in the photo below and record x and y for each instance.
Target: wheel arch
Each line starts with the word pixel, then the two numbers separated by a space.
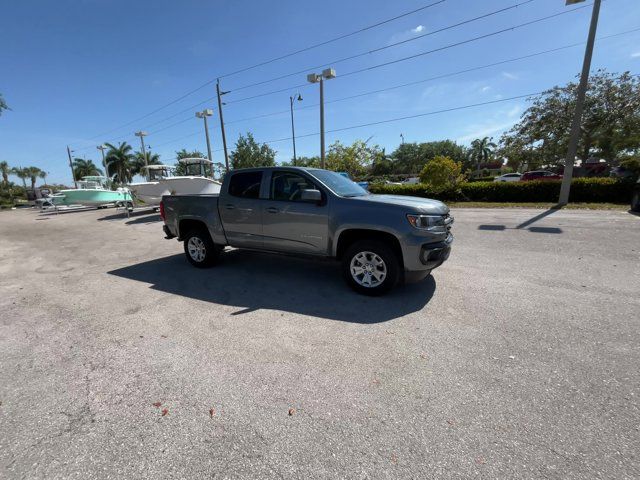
pixel 349 236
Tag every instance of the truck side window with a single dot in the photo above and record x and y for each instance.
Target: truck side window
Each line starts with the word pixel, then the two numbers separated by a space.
pixel 289 186
pixel 245 184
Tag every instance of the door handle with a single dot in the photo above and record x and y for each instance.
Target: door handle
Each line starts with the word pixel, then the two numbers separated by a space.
pixel 229 206
pixel 272 210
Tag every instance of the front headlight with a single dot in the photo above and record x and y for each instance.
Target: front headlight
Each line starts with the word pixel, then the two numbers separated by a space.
pixel 432 223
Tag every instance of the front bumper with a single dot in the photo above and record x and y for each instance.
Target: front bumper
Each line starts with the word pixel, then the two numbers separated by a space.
pixel 420 258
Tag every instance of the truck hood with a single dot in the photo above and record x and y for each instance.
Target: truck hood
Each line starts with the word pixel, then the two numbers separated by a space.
pixel 415 204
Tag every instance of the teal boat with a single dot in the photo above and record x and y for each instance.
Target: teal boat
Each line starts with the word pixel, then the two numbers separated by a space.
pixel 92 191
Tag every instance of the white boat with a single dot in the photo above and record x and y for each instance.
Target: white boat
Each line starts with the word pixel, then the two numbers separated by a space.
pixel 151 191
pixel 162 181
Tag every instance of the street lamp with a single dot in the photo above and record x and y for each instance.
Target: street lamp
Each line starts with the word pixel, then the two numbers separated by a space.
pixel 204 114
pixel 577 115
pixel 142 134
pixel 102 148
pixel 293 98
pixel 326 74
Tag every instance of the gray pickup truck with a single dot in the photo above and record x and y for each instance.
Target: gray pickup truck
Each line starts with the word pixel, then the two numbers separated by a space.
pixel 380 239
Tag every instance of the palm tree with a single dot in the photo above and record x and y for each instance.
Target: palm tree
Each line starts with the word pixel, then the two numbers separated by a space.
pixel 43 176
pixel 21 173
pixel 481 150
pixel 6 170
pixel 85 168
pixel 119 161
pixel 33 173
pixel 152 159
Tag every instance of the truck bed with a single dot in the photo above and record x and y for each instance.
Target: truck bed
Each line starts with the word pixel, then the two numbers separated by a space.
pixel 184 212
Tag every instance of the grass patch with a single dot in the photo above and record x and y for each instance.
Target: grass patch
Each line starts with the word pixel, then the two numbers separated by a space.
pixel 540 205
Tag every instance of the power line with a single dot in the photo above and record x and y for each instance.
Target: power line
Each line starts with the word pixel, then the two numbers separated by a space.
pixel 326 42
pixel 335 39
pixel 391 45
pixel 403 85
pixel 427 52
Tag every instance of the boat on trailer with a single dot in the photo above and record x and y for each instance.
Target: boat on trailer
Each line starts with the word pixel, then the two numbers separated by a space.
pixel 151 191
pixel 163 181
pixel 91 191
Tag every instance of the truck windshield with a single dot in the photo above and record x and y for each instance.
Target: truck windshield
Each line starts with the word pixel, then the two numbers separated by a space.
pixel 339 184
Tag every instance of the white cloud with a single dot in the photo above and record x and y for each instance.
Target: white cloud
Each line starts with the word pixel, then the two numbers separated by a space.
pixel 510 76
pixel 407 34
pixel 514 112
pixel 486 130
pixel 486 88
pixel 635 55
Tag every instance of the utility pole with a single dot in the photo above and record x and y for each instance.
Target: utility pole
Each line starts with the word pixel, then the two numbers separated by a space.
pixel 204 114
pixel 73 174
pixel 224 136
pixel 327 74
pixel 104 164
pixel 577 115
pixel 297 97
pixel 142 134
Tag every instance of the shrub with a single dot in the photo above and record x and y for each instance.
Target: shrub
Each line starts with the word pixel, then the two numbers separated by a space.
pixel 441 173
pixel 582 190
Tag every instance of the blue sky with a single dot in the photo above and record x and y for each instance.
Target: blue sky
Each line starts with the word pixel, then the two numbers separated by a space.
pixel 73 72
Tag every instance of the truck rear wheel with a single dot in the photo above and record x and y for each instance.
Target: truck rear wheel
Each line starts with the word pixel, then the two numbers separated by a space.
pixel 200 249
pixel 370 267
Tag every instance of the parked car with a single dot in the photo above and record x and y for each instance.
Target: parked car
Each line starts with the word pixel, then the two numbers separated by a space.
pixel 380 239
pixel 508 177
pixel 635 199
pixel 364 185
pixel 540 175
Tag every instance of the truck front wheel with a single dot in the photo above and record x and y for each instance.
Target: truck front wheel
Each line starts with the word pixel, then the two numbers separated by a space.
pixel 200 249
pixel 370 267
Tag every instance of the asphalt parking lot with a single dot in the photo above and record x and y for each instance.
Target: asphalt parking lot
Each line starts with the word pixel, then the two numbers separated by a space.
pixel 517 359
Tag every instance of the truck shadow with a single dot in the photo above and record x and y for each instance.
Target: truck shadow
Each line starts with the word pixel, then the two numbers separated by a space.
pixel 253 281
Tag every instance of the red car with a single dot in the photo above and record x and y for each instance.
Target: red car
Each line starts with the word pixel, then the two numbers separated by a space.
pixel 540 175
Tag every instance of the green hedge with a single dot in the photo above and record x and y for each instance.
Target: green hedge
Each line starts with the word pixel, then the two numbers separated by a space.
pixel 582 190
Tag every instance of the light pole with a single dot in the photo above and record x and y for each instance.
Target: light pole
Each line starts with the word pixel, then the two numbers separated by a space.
pixel 142 134
pixel 293 98
pixel 327 74
pixel 224 136
pixel 577 114
pixel 73 174
pixel 204 114
pixel 102 148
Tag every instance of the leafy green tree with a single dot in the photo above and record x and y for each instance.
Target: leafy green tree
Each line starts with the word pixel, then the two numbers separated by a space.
pixel 610 125
pixel 3 104
pixel 311 162
pixel 410 158
pixel 482 150
pixel 120 161
pixel 6 170
pixel 248 153
pixel 84 168
pixel 442 173
pixel 355 159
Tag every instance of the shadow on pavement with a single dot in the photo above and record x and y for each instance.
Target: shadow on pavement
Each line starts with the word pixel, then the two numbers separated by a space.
pixel 146 219
pixel 253 281
pixel 123 214
pixel 524 225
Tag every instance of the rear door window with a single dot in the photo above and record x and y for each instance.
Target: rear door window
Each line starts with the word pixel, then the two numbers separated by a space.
pixel 245 184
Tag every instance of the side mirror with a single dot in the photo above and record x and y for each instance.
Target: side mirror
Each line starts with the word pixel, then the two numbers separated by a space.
pixel 312 196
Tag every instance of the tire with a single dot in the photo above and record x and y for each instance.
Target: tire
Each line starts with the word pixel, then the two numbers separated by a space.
pixel 635 202
pixel 200 249
pixel 371 267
